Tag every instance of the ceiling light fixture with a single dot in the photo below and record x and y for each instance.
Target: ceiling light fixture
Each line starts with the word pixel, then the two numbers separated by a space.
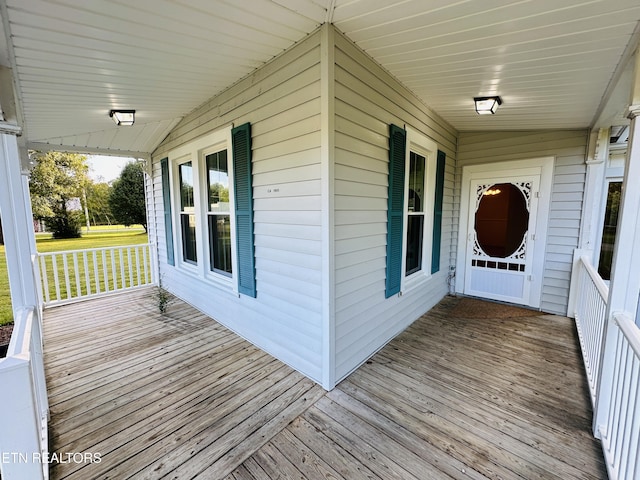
pixel 123 117
pixel 487 105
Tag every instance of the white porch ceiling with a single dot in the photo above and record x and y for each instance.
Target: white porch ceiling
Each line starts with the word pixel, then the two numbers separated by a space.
pixel 553 62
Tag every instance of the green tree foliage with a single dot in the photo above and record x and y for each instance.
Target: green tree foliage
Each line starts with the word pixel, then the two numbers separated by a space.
pixel 56 184
pixel 127 196
pixel 98 203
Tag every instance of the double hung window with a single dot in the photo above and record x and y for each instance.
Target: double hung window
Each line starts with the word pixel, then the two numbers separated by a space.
pixel 219 212
pixel 187 213
pixel 415 213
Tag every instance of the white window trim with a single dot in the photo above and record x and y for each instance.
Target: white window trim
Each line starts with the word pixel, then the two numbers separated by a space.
pixel 424 146
pixel 196 152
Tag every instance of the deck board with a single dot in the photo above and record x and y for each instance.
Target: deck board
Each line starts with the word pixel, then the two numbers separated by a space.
pixel 179 396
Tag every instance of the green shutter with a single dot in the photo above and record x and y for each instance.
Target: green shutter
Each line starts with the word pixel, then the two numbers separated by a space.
pixel 437 213
pixel 166 202
pixel 395 210
pixel 241 145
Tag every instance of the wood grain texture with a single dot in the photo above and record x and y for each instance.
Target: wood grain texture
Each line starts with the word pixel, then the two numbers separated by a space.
pixel 179 396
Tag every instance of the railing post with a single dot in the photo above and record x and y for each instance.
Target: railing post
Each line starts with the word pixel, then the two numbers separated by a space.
pixel 574 286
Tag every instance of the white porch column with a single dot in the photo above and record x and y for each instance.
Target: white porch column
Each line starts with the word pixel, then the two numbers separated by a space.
pixel 23 433
pixel 624 289
pixel 17 226
pixel 596 171
pixel 592 202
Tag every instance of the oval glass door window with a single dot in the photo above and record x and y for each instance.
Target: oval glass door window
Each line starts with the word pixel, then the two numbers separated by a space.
pixel 502 219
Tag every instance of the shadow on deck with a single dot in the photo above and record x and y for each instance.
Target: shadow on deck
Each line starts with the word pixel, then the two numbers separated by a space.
pixel 179 396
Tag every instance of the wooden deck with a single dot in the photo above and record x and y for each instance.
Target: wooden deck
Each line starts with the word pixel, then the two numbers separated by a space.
pixel 179 396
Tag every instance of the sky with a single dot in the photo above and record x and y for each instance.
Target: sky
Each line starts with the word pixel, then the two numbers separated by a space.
pixel 108 168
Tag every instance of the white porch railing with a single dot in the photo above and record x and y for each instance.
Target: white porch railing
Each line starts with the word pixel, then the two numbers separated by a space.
pixel 590 309
pixel 620 433
pixel 24 408
pixel 79 274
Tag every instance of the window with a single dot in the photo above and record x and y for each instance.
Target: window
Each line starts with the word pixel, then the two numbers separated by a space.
pixel 415 214
pixel 212 197
pixel 609 229
pixel 219 219
pixel 166 204
pixel 416 178
pixel 187 213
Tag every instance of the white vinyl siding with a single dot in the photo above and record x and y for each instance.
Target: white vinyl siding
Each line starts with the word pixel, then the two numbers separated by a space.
pixel 569 148
pixel 367 100
pixel 282 102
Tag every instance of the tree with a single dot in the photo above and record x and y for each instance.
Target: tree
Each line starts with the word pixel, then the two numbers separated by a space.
pixel 98 203
pixel 56 184
pixel 127 196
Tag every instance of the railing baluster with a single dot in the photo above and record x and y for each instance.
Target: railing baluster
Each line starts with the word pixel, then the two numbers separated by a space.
pixel 629 412
pixel 147 270
pixel 122 274
pixel 76 273
pixel 114 272
pixel 67 280
pixel 95 271
pixel 105 268
pixel 87 274
pixel 130 265
pixel 137 252
pixel 44 272
pixel 54 266
pixel 613 430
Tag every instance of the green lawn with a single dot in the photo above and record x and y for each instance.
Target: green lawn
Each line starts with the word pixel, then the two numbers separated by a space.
pixel 6 315
pixel 114 237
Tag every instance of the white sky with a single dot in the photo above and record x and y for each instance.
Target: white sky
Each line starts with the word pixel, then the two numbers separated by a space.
pixel 107 167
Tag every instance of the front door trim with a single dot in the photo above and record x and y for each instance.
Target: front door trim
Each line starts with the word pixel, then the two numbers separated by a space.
pixel 542 166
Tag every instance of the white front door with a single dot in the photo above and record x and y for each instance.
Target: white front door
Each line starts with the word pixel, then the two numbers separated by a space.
pixel 502 257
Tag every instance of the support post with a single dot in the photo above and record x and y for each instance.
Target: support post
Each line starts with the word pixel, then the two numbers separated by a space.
pixel 20 442
pixel 327 153
pixel 17 224
pixel 596 170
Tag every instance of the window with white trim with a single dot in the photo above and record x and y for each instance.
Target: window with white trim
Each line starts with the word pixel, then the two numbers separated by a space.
pixel 415 213
pixel 219 212
pixel 187 213
pixel 419 191
pixel 211 195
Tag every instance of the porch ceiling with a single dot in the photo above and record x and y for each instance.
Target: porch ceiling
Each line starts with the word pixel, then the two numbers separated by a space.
pixel 554 63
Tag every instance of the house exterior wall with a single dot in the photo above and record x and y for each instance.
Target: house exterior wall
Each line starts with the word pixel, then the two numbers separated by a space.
pixel 282 102
pixel 569 149
pixel 367 100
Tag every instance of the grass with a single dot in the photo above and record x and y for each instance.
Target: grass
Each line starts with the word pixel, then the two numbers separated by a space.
pixel 113 228
pixel 6 314
pixel 114 237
